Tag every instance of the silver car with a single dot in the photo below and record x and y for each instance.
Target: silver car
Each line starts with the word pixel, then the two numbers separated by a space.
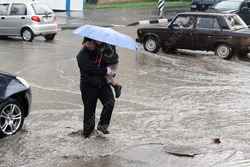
pixel 27 20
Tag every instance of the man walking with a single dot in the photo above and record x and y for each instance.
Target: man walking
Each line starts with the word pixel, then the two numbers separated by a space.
pixel 93 86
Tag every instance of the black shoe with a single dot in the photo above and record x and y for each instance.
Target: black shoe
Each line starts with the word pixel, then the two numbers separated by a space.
pixel 103 129
pixel 118 90
pixel 87 134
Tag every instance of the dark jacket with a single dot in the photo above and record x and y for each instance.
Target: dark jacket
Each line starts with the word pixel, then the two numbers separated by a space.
pixel 109 55
pixel 91 73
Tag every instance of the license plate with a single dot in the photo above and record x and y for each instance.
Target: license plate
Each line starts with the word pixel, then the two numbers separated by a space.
pixel 47 18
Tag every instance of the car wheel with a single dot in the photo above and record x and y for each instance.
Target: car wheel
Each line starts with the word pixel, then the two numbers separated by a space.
pixel 11 117
pixel 49 37
pixel 151 44
pixel 224 51
pixel 27 35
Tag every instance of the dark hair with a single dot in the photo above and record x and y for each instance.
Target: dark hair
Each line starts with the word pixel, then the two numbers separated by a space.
pixel 86 39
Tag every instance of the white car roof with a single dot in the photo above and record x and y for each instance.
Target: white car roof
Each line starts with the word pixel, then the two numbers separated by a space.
pixel 18 1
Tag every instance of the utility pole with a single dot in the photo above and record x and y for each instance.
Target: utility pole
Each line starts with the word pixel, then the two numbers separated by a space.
pixel 161 8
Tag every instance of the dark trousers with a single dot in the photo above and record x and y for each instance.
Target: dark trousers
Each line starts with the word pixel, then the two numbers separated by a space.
pixel 90 95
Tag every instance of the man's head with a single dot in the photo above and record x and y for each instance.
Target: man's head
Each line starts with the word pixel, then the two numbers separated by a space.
pixel 89 43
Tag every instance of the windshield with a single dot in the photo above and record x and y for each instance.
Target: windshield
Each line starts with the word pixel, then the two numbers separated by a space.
pixel 229 5
pixel 235 22
pixel 42 9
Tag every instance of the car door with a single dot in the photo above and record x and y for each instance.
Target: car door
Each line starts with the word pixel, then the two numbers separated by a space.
pixel 3 14
pixel 180 33
pixel 244 12
pixel 16 19
pixel 207 32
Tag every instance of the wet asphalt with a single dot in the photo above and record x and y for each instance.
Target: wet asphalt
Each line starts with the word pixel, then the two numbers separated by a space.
pixel 170 108
pixel 114 17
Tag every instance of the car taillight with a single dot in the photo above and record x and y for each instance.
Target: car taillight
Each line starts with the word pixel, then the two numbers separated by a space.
pixel 55 18
pixel 36 18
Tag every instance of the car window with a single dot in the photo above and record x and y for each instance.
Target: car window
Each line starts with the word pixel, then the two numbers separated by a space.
pixel 207 23
pixel 4 9
pixel 42 9
pixel 184 22
pixel 233 5
pixel 235 22
pixel 18 9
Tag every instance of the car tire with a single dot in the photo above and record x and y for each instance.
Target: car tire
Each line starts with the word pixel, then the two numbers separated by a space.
pixel 49 37
pixel 11 117
pixel 224 51
pixel 151 44
pixel 27 35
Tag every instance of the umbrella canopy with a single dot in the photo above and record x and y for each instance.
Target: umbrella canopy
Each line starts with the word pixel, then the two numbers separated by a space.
pixel 107 35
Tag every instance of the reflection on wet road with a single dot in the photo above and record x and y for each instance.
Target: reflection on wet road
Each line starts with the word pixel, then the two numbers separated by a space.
pixel 169 102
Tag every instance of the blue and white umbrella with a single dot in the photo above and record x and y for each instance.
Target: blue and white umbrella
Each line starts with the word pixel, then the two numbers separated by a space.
pixel 107 35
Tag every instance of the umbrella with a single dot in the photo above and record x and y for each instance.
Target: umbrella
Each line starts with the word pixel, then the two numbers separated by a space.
pixel 107 35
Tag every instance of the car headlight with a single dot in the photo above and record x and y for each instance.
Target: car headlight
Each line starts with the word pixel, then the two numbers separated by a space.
pixel 193 6
pixel 24 82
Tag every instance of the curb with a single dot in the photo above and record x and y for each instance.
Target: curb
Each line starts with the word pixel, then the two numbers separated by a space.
pixel 66 28
pixel 144 22
pixel 149 22
pixel 75 27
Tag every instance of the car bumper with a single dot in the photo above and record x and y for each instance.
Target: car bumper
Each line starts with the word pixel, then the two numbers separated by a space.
pixel 138 40
pixel 44 29
pixel 28 97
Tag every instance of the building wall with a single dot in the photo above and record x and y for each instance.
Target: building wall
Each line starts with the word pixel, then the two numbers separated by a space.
pixel 76 4
pixel 64 4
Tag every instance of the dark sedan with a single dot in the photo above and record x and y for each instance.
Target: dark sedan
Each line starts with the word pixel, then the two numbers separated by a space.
pixel 240 7
pixel 201 5
pixel 225 34
pixel 15 101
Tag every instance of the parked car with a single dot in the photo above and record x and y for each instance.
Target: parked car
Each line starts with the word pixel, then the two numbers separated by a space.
pixel 15 102
pixel 201 5
pixel 225 34
pixel 27 20
pixel 240 7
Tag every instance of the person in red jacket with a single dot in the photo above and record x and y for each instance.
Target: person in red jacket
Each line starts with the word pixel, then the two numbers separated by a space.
pixel 93 86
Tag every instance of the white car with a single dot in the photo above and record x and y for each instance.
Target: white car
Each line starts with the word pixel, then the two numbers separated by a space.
pixel 27 20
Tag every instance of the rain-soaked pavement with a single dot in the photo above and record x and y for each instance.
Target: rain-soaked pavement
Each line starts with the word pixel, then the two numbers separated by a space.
pixel 115 17
pixel 170 103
